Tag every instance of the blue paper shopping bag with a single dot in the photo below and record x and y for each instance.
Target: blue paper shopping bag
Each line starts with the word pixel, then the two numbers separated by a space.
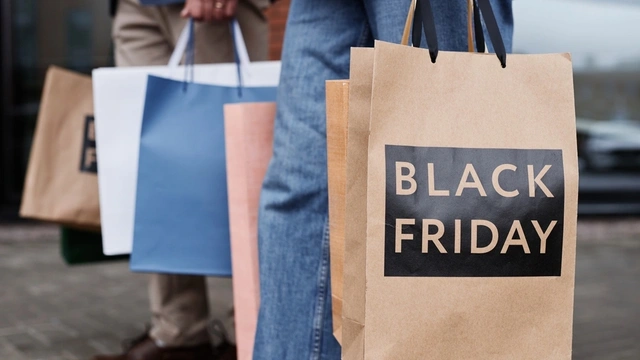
pixel 181 221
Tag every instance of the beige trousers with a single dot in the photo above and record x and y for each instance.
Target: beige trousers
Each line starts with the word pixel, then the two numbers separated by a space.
pixel 146 35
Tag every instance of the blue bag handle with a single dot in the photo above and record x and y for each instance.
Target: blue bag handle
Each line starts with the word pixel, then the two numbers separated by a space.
pixel 185 46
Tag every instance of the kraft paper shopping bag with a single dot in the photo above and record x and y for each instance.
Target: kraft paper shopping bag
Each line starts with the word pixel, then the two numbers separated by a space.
pixel 249 145
pixel 471 203
pixel 361 71
pixel 61 184
pixel 337 116
pixel 360 79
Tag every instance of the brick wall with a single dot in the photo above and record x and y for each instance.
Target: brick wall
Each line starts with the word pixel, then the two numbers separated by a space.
pixel 277 15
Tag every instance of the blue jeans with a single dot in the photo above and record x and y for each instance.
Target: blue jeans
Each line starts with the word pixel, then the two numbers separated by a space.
pixel 295 315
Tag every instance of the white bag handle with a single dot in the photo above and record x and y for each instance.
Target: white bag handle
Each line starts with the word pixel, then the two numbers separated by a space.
pixel 181 46
pixel 241 47
pixel 183 40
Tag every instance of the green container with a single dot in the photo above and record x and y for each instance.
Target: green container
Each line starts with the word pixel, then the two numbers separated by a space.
pixel 83 247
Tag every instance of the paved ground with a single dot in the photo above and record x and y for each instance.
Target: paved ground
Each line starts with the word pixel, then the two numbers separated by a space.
pixel 51 311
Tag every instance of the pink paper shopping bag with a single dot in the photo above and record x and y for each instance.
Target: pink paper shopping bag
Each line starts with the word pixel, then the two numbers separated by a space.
pixel 248 138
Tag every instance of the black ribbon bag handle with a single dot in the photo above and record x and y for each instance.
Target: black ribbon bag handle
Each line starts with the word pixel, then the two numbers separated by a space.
pixel 423 19
pixel 477 23
pixel 493 30
pixel 474 27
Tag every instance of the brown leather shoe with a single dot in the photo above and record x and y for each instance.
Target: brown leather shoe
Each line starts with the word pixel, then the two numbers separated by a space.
pixel 148 350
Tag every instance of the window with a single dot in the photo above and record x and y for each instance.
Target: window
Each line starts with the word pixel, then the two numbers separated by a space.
pixel 74 34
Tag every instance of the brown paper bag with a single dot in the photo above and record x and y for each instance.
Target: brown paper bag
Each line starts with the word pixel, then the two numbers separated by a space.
pixel 361 77
pixel 337 115
pixel 249 145
pixel 61 185
pixel 356 203
pixel 471 206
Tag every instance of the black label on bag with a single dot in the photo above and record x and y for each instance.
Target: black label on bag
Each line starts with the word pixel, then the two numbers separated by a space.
pixel 459 212
pixel 88 160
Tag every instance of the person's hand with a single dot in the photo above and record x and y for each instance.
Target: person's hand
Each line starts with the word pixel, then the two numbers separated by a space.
pixel 210 10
